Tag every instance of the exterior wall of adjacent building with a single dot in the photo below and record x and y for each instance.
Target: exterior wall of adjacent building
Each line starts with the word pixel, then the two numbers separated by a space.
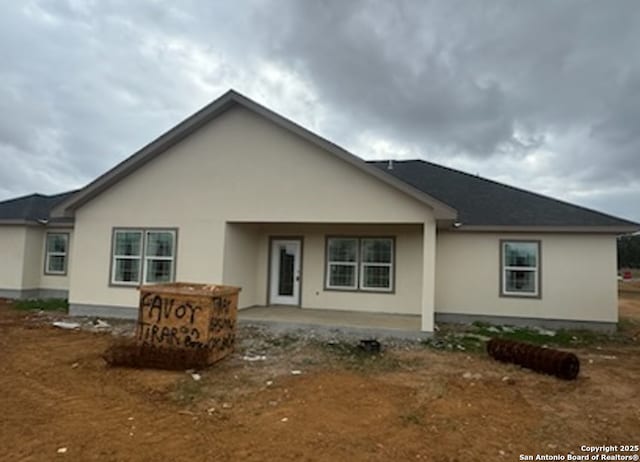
pixel 32 270
pixel 240 168
pixel 577 278
pixel 12 243
pixel 22 248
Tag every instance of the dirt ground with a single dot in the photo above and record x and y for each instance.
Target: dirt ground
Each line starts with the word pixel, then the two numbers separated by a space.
pixel 412 403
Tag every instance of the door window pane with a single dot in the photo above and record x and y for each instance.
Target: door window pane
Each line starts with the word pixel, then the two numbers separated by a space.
pixel 287 270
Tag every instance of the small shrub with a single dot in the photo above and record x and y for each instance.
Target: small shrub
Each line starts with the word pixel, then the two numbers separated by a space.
pixel 283 341
pixel 353 357
pixel 412 418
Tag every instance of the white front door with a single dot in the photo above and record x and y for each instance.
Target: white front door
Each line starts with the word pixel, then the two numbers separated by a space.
pixel 285 272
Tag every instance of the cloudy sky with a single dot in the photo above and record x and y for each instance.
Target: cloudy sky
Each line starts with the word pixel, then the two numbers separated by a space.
pixel 543 95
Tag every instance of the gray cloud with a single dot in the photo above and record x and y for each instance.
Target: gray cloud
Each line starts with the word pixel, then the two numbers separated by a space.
pixel 543 95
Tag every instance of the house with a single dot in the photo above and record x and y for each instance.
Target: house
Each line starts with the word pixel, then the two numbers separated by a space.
pixel 240 195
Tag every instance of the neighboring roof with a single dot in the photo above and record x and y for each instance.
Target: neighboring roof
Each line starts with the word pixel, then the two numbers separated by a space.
pixel 33 207
pixel 484 203
pixel 225 102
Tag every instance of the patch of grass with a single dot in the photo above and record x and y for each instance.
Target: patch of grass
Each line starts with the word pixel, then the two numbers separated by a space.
pixel 456 341
pixel 283 341
pixel 473 338
pixel 48 304
pixel 187 391
pixel 561 337
pixel 413 417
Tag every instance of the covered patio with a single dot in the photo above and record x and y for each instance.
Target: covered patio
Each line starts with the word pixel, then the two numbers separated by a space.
pixel 284 318
pixel 284 270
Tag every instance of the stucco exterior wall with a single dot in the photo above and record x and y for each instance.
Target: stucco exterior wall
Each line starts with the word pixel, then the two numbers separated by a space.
pixel 238 168
pixel 253 267
pixel 240 267
pixel 578 277
pixel 12 244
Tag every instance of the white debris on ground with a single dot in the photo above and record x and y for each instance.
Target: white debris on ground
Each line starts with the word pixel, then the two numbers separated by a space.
pixel 296 372
pixel 99 324
pixel 541 331
pixel 471 376
pixel 251 358
pixel 66 325
pixel 61 450
pixel 196 377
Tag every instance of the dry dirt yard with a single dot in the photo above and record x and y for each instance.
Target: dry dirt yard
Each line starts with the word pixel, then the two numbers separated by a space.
pixel 413 402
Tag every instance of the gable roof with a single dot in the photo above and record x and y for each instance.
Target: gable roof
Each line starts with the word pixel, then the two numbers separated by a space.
pixel 216 108
pixel 34 207
pixel 474 202
pixel 483 203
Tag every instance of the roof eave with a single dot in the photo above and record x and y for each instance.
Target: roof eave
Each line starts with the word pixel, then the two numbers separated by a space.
pixel 17 221
pixel 615 229
pixel 46 223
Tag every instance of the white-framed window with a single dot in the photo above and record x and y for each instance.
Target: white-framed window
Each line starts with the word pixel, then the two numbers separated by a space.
pixel 342 263
pixel 159 256
pixel 376 264
pixel 520 268
pixel 144 256
pixel 56 253
pixel 360 263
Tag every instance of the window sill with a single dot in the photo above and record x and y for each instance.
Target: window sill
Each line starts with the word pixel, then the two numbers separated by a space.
pixel 125 285
pixel 363 291
pixel 521 295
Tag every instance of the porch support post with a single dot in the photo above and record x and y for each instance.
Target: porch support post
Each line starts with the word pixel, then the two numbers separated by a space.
pixel 428 273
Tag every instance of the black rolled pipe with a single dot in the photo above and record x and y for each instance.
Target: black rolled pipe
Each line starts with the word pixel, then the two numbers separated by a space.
pixel 561 364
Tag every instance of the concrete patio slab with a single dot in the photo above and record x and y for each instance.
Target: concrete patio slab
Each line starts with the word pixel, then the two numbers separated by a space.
pixel 347 322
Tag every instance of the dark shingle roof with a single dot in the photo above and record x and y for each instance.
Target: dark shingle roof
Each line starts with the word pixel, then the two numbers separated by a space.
pixel 484 202
pixel 32 207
